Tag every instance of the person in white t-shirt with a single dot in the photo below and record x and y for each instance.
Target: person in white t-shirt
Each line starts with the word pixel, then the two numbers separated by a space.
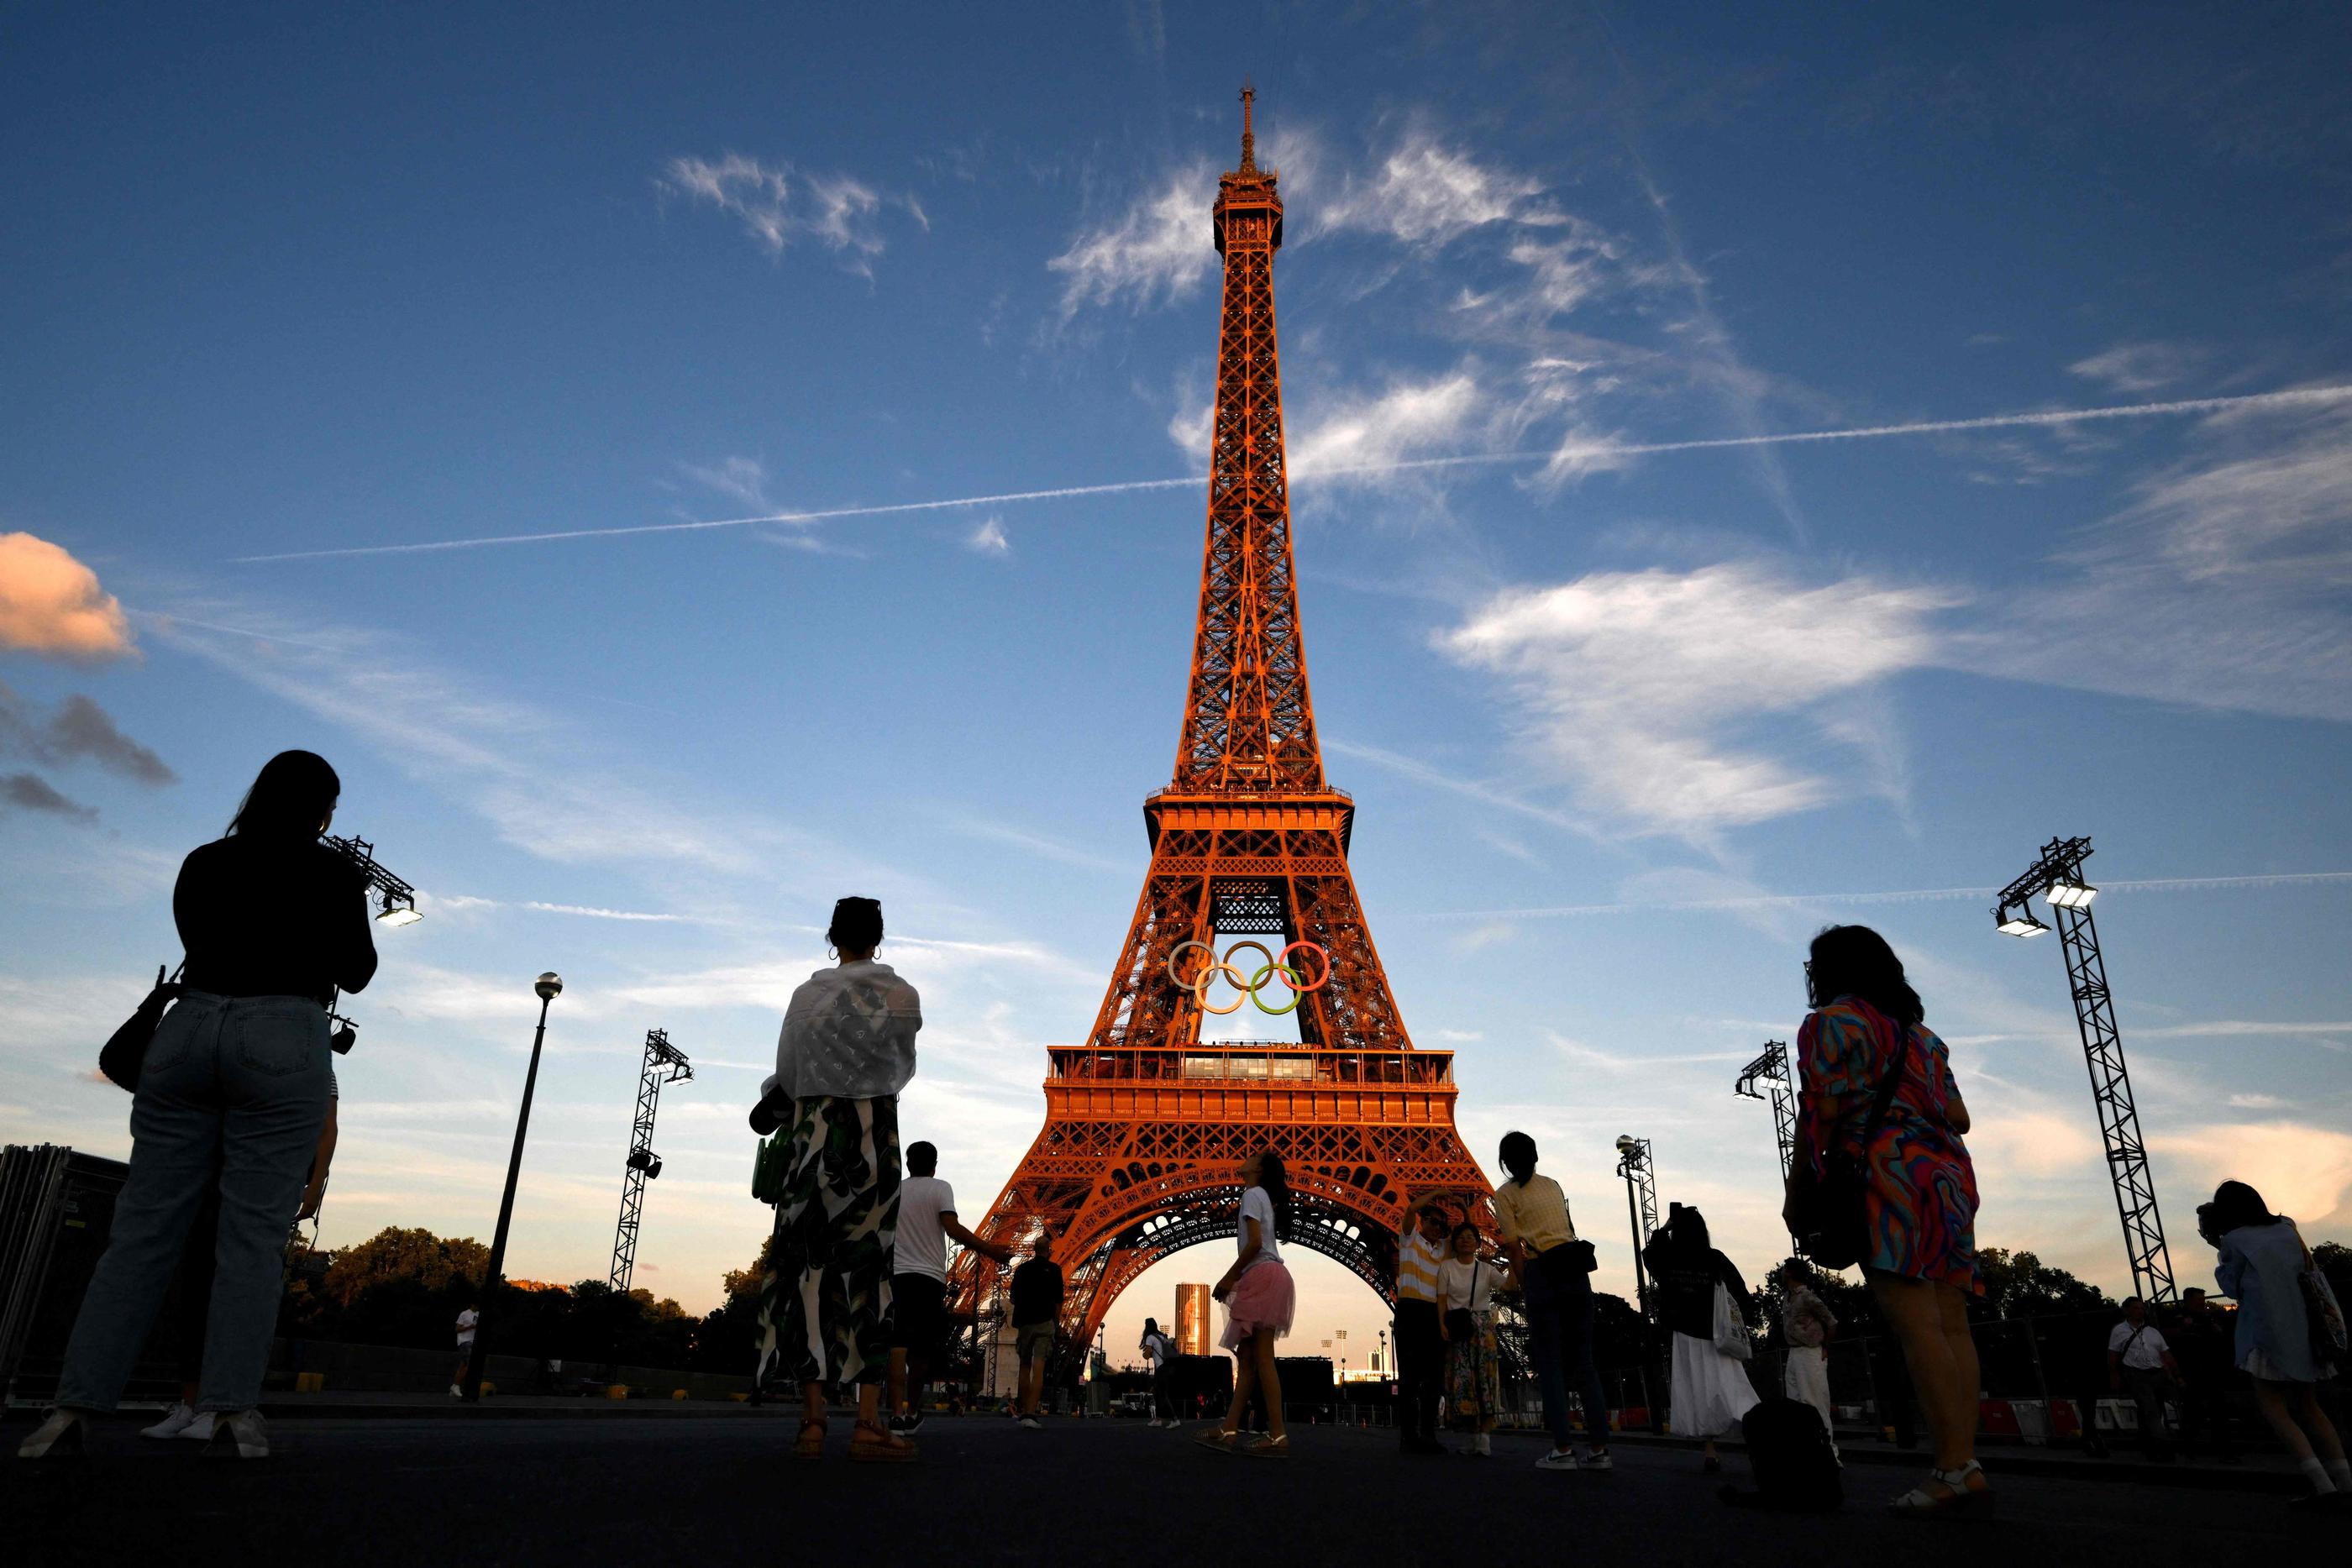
pixel 1467 1283
pixel 2140 1362
pixel 919 1281
pixel 1159 1350
pixel 467 1318
pixel 1259 1300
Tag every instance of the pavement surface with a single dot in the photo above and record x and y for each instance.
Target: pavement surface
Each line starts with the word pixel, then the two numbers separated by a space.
pixel 722 1486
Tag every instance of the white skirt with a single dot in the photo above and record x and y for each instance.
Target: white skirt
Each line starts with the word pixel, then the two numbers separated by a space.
pixel 1710 1390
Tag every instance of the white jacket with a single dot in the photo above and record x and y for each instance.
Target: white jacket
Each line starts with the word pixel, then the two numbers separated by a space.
pixel 849 1032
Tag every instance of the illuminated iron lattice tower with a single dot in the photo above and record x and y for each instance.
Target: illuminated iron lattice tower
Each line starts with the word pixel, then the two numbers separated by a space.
pixel 1146 1127
pixel 665 1063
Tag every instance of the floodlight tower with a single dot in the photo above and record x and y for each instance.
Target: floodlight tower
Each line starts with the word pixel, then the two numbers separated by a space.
pixel 1641 1205
pixel 2057 876
pixel 396 905
pixel 665 1063
pixel 1771 1071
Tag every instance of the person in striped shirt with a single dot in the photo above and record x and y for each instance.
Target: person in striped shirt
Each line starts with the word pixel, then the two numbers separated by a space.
pixel 1421 1248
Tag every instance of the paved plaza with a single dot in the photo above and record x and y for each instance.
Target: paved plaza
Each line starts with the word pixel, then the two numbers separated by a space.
pixel 721 1488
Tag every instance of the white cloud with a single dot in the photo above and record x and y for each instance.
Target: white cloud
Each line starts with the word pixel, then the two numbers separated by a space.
pixel 51 603
pixel 1645 689
pixel 1156 251
pixel 743 478
pixel 1425 193
pixel 2139 367
pixel 2300 1170
pixel 988 538
pixel 1403 420
pixel 780 207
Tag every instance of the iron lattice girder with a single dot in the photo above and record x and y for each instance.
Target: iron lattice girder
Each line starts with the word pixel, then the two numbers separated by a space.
pixel 664 1063
pixel 1146 1127
pixel 2111 1095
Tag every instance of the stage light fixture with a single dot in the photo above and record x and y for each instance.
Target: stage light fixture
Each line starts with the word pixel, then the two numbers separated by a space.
pixel 2021 921
pixel 398 911
pixel 2070 893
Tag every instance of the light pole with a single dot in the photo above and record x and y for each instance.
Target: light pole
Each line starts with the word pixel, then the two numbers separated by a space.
pixel 549 986
pixel 2057 875
pixel 1640 1204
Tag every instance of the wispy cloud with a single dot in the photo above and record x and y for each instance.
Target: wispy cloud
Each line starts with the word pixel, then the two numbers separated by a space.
pixel 30 792
pixel 1426 192
pixel 1156 251
pixel 77 729
pixel 1935 895
pixel 1641 689
pixel 2142 367
pixel 988 538
pixel 780 205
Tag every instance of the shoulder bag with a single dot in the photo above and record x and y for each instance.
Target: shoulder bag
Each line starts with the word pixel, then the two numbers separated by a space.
pixel 2321 1312
pixel 1731 1335
pixel 125 1051
pixel 1830 1207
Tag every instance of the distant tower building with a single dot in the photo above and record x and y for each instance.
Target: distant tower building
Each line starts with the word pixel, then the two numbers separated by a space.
pixel 1192 1320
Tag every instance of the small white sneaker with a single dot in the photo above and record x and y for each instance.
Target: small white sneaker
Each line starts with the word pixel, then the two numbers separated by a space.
pixel 1557 1459
pixel 58 1437
pixel 175 1421
pixel 455 1392
pixel 201 1429
pixel 242 1436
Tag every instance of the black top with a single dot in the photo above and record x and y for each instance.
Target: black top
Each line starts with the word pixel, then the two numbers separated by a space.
pixel 1037 1292
pixel 1686 1277
pixel 263 916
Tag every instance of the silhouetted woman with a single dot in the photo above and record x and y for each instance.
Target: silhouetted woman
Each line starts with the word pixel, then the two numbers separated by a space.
pixel 847 1049
pixel 2263 1261
pixel 235 1081
pixel 1710 1390
pixel 1531 1217
pixel 1259 1300
pixel 1867 1024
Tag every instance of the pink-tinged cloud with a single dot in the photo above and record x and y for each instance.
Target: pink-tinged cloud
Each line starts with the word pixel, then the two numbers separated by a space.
pixel 51 603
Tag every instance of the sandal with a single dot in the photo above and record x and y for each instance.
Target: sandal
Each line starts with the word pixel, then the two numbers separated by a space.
pixel 810 1444
pixel 1224 1439
pixel 879 1446
pixel 1951 1493
pixel 1268 1448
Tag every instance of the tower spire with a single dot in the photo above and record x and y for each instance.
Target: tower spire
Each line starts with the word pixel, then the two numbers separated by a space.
pixel 1249 143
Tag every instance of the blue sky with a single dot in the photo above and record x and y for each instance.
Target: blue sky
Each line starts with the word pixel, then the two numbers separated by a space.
pixel 1625 720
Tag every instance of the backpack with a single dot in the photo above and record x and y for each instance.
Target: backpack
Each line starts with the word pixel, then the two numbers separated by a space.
pixel 1790 1455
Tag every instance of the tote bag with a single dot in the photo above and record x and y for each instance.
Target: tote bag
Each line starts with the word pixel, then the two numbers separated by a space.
pixel 1731 1336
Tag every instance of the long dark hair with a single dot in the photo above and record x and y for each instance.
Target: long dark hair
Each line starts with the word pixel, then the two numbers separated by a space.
pixel 290 797
pixel 1518 1156
pixel 2234 1204
pixel 1276 1181
pixel 1855 961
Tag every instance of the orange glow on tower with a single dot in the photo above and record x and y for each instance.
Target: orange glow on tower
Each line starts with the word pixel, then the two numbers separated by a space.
pixel 1146 1126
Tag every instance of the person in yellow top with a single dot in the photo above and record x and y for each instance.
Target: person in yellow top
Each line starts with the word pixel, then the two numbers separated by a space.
pixel 1556 1271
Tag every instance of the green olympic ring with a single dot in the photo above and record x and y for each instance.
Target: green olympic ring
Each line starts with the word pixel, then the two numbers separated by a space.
pixel 1199 984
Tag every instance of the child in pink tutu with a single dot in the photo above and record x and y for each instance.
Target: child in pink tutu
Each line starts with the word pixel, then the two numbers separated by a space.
pixel 1258 1298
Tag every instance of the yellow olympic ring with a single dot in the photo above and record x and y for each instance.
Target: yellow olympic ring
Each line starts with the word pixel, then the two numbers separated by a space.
pixel 1199 984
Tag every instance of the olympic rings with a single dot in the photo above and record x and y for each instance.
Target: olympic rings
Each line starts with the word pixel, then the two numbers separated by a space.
pixel 1274 965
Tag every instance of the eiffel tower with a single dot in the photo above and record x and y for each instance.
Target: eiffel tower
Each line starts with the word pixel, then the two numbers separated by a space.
pixel 1145 1124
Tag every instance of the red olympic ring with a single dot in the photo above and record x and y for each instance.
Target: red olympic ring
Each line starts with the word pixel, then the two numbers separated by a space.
pixel 1199 984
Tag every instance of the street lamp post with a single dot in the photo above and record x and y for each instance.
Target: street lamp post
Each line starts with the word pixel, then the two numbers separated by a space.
pixel 549 986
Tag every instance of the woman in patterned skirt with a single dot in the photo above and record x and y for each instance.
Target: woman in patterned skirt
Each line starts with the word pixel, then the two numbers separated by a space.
pixel 847 1049
pixel 1922 1190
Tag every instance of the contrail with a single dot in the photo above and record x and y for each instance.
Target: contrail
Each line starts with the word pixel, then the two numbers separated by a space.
pixel 1599 448
pixel 1908 896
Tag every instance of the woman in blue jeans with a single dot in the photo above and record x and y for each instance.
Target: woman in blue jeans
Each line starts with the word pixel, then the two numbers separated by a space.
pixel 1531 1217
pixel 233 1094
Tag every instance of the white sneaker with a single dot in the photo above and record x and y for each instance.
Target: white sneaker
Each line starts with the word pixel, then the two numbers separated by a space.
pixel 1557 1459
pixel 177 1420
pixel 242 1436
pixel 201 1429
pixel 455 1392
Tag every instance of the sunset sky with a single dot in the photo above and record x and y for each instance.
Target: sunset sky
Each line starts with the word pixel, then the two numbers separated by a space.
pixel 856 367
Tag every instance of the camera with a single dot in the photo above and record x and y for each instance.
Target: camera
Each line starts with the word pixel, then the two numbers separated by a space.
pixel 2206 1224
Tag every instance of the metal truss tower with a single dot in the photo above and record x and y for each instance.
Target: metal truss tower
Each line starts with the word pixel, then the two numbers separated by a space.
pixel 1146 1124
pixel 1640 1177
pixel 665 1063
pixel 1771 1071
pixel 2057 876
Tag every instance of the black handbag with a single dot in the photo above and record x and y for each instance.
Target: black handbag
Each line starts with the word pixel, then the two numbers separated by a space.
pixel 1830 1209
pixel 125 1051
